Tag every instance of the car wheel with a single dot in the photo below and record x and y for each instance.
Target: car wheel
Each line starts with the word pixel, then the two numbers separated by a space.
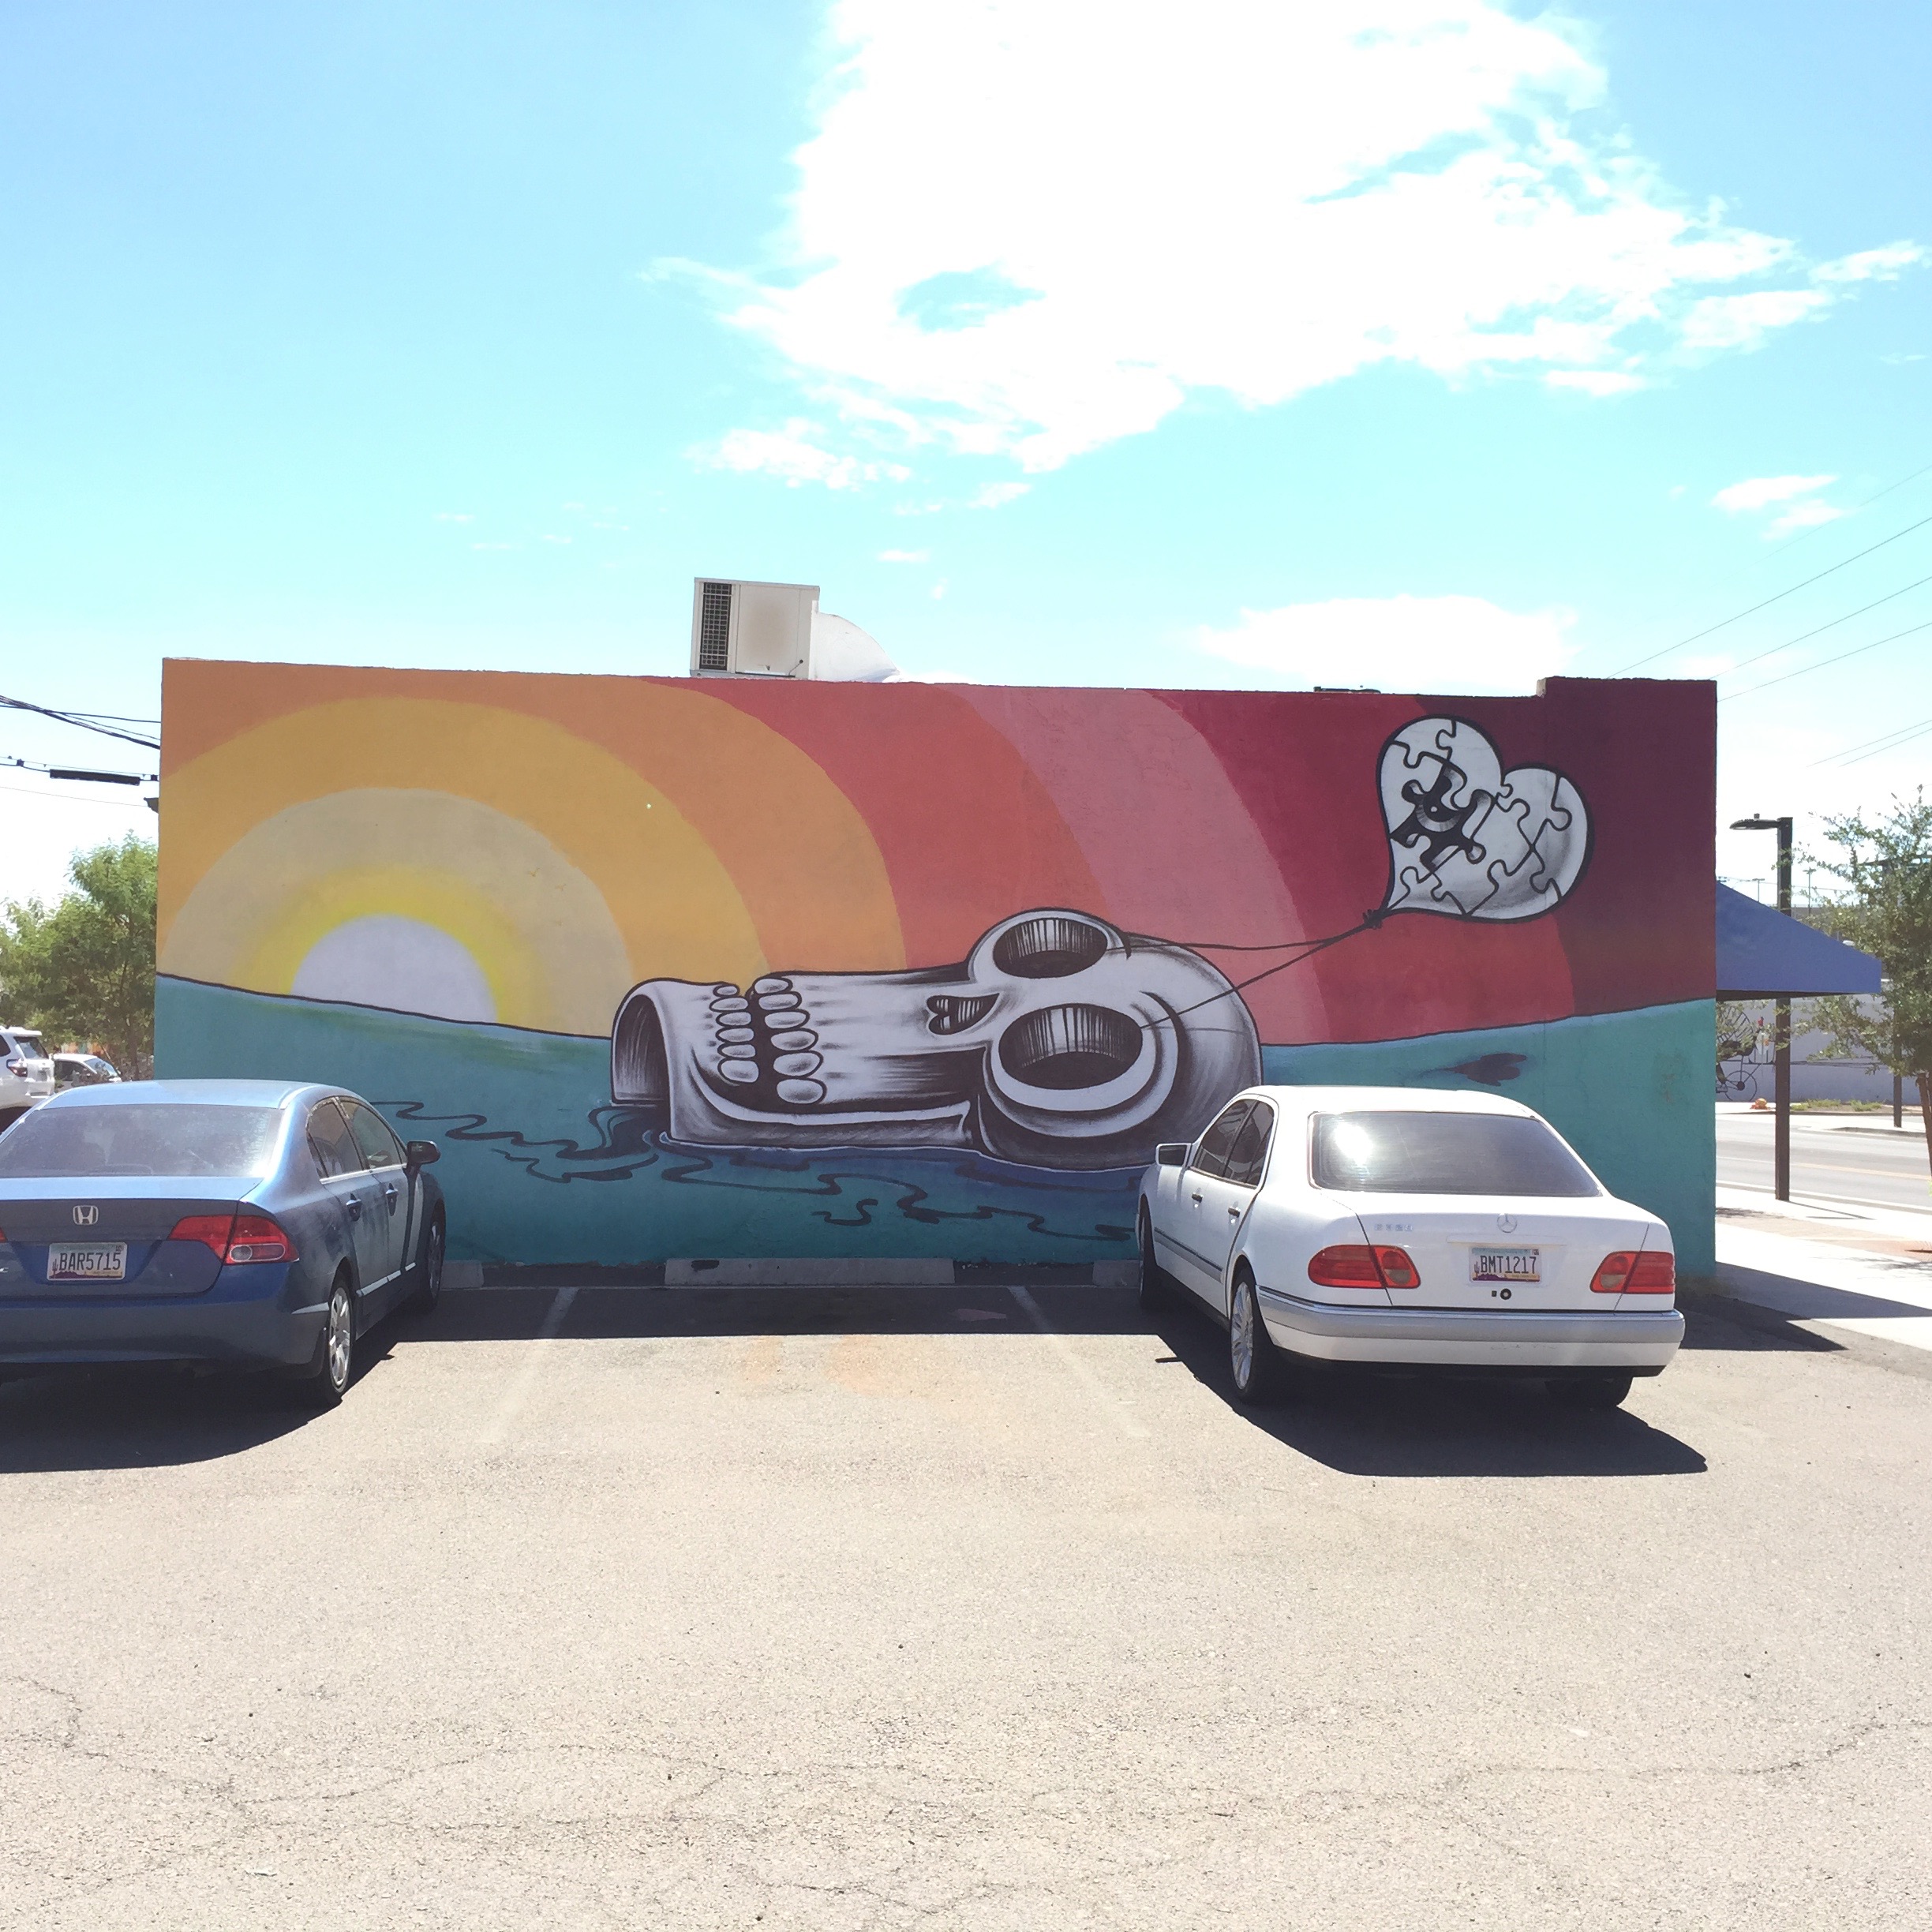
pixel 1590 1392
pixel 332 1368
pixel 1260 1374
pixel 429 1270
pixel 1156 1290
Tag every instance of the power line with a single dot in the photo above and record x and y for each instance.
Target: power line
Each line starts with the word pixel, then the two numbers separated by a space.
pixel 73 772
pixel 1723 622
pixel 1901 738
pixel 1832 626
pixel 1883 741
pixel 1823 663
pixel 75 797
pixel 79 720
pixel 1791 543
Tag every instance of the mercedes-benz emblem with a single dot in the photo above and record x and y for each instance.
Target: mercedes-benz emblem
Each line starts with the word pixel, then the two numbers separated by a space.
pixel 86 1217
pixel 1505 1223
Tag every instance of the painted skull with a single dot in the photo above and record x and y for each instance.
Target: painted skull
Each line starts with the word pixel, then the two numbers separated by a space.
pixel 1060 1042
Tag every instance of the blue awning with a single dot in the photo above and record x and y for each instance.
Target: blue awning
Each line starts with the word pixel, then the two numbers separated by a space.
pixel 1766 954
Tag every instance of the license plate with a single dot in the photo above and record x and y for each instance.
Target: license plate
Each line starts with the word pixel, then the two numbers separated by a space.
pixel 87 1261
pixel 1504 1264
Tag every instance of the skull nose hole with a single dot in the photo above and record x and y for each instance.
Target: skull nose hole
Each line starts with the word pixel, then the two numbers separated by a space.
pixel 1063 1047
pixel 1048 948
pixel 954 1013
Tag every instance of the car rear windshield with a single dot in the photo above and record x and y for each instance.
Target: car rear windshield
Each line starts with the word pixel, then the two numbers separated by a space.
pixel 140 1138
pixel 1391 1153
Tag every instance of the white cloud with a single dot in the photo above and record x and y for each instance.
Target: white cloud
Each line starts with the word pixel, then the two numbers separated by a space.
pixel 939 589
pixel 904 556
pixel 1806 516
pixel 549 538
pixel 791 454
pixel 1879 264
pixel 454 516
pixel 991 495
pixel 1597 382
pixel 1760 493
pixel 1399 643
pixel 1803 508
pixel 1029 227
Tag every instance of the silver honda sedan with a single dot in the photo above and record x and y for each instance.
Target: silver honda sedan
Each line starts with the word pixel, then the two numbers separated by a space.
pixel 253 1222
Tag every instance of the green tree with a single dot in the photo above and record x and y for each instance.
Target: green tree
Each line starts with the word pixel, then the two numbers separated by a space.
pixel 1884 864
pixel 85 970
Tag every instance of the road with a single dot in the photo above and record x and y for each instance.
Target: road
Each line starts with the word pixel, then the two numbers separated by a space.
pixel 1828 1162
pixel 866 1610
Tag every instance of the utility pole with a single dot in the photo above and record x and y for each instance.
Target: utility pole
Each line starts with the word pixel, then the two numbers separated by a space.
pixel 1780 1026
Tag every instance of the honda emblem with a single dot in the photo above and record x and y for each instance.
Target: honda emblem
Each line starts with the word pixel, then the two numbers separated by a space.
pixel 86 1217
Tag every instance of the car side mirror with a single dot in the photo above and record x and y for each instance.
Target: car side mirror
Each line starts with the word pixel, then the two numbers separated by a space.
pixel 422 1154
pixel 1172 1153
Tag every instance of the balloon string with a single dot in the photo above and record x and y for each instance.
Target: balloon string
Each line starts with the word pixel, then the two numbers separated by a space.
pixel 1309 949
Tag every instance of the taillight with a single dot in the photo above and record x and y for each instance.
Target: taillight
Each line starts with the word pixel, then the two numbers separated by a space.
pixel 211 1230
pixel 1654 1272
pixel 1355 1264
pixel 1398 1270
pixel 237 1238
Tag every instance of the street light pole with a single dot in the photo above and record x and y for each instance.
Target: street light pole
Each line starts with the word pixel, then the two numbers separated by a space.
pixel 1780 1026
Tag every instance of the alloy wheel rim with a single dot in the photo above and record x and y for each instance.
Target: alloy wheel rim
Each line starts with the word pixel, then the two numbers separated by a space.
pixel 433 1266
pixel 1243 1334
pixel 338 1339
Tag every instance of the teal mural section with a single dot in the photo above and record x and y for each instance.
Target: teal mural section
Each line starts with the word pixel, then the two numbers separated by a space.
pixel 538 1167
pixel 1630 1092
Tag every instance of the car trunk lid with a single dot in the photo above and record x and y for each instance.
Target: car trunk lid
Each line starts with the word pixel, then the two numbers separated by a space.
pixel 114 1238
pixel 1528 1255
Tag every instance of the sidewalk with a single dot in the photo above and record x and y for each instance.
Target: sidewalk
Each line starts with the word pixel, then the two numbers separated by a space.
pixel 1867 1270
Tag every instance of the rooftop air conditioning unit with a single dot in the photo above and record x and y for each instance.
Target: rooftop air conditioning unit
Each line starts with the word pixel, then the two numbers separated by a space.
pixel 751 629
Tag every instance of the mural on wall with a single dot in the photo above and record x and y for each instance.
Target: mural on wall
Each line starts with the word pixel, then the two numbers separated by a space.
pixel 675 968
pixel 1061 1041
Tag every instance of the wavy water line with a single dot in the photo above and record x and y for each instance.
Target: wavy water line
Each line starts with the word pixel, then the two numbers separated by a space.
pixel 625 1146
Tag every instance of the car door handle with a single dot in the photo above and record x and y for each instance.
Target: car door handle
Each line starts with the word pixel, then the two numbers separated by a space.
pixel 389 1195
pixel 1234 1214
pixel 1193 1197
pixel 354 1206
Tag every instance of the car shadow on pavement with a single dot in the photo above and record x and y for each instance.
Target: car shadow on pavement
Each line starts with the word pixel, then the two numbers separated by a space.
pixel 1368 1422
pixel 156 1416
pixel 1714 1318
pixel 597 1311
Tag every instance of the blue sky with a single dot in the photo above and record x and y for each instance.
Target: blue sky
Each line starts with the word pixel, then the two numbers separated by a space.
pixel 1433 343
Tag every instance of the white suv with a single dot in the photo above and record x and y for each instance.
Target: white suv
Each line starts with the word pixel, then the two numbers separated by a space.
pixel 26 1073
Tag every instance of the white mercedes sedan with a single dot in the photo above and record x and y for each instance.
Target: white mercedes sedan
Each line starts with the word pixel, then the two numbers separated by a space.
pixel 1411 1227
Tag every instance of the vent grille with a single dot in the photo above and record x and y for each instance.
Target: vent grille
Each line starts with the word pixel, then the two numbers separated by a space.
pixel 714 628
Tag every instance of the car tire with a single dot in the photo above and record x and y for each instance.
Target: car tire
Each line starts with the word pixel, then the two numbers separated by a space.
pixel 429 1269
pixel 1590 1391
pixel 1156 1289
pixel 331 1370
pixel 1258 1368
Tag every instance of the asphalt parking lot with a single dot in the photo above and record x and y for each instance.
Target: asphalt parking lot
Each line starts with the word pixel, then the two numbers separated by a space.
pixel 956 1608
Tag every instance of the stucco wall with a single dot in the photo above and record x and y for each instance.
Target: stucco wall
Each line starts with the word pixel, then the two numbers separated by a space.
pixel 677 967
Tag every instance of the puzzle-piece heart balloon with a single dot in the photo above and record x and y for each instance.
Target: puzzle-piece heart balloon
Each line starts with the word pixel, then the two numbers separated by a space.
pixel 1469 839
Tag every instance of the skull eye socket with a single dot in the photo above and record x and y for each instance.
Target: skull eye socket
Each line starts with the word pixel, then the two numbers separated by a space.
pixel 1063 1047
pixel 1048 948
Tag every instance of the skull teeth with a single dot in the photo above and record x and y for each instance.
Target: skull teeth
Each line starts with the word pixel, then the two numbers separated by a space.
pixel 786 1053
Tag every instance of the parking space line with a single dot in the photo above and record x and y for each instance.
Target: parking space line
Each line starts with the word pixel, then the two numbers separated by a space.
pixel 531 1367
pixel 1082 1374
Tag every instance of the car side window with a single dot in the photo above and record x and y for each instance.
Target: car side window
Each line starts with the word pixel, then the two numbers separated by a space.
pixel 1211 1157
pixel 380 1148
pixel 1250 1152
pixel 335 1151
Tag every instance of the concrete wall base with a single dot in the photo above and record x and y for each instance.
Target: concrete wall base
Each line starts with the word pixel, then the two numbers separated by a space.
pixel 796 1271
